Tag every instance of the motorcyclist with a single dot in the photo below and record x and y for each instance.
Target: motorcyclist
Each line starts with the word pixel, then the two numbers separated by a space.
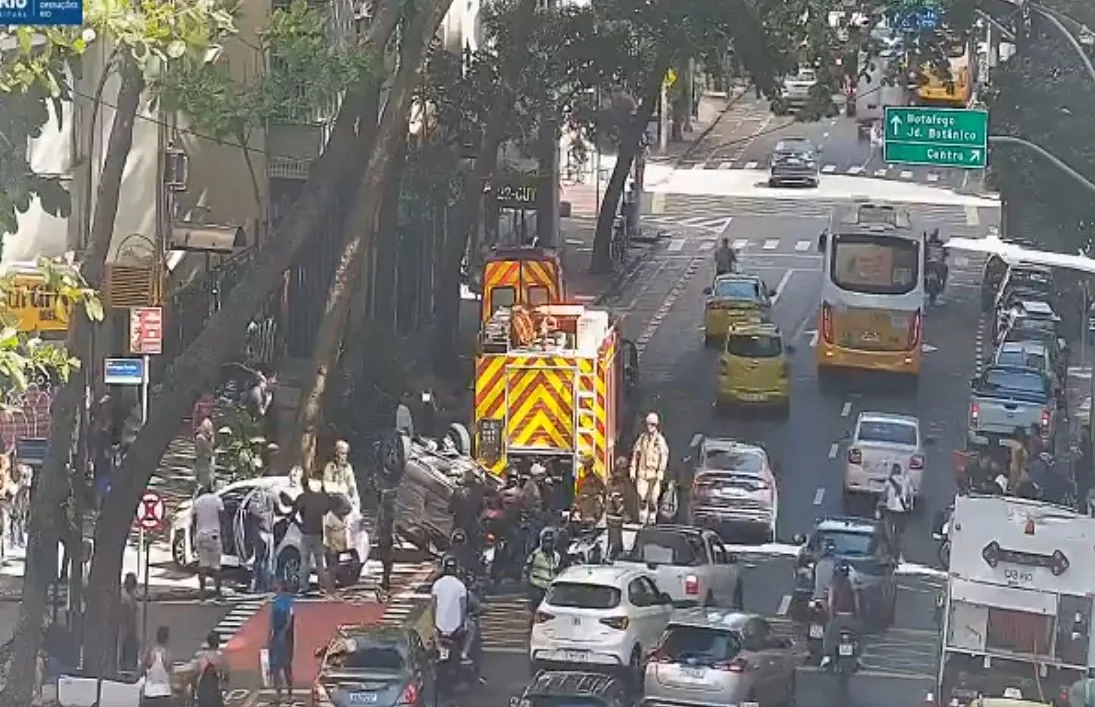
pixel 541 567
pixel 649 460
pixel 935 253
pixel 1018 460
pixel 589 501
pixel 726 259
pixel 897 503
pixel 465 555
pixel 824 569
pixel 452 606
pixel 466 505
pixel 843 606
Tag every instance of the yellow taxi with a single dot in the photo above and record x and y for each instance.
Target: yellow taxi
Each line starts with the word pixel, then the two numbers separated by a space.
pixel 734 298
pixel 754 368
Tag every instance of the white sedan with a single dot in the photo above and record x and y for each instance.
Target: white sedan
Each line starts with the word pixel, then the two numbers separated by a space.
pixel 881 440
pixel 599 617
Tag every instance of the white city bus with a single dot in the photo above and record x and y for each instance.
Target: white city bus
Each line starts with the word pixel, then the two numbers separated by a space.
pixel 872 293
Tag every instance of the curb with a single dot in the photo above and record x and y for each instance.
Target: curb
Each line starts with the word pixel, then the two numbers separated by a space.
pixel 698 140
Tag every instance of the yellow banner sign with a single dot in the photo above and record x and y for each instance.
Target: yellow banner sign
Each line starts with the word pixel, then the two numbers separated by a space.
pixel 35 307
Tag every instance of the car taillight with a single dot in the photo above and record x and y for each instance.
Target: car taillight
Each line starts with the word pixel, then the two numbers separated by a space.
pixel 409 696
pixel 691 585
pixel 1045 421
pixel 975 413
pixel 734 666
pixel 620 623
pixel 658 656
pixel 914 331
pixel 855 456
pixel 490 538
pixel 827 323
pixel 724 367
pixel 542 617
pixel 1063 695
pixel 917 462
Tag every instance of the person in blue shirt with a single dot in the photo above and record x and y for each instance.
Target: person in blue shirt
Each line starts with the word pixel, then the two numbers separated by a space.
pixel 280 646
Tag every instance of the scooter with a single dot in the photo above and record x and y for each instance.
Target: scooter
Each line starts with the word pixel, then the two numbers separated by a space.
pixel 941 535
pixel 454 672
pixel 815 632
pixel 846 660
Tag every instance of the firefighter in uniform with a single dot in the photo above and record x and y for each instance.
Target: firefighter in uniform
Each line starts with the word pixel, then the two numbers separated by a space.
pixel 589 501
pixel 541 567
pixel 649 460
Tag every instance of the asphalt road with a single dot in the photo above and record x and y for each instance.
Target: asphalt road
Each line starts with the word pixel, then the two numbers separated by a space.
pixel 744 139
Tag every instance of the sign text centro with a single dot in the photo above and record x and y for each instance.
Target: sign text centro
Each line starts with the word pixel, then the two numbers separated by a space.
pixel 41 12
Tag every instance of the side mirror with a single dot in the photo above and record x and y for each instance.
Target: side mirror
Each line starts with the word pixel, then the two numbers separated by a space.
pixel 731 558
pixel 707 291
pixel 798 539
pixel 822 242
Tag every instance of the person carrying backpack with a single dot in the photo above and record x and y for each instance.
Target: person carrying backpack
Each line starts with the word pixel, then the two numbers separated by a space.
pixel 211 673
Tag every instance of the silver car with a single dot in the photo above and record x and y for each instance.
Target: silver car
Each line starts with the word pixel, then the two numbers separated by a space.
pixel 794 162
pixel 718 657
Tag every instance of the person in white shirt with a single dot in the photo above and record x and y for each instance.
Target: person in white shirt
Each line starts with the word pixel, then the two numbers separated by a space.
pixel 451 604
pixel 338 475
pixel 404 421
pixel 206 516
pixel 897 504
pixel 156 668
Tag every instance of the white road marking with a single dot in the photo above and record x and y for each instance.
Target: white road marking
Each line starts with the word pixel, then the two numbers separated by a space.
pixel 855 169
pixel 740 243
pixel 819 496
pixel 829 168
pixel 784 605
pixel 657 203
pixel 726 165
pixel 846 410
pixel 906 174
pixel 880 173
pixel 693 221
pixel 933 177
pixel 834 449
pixel 973 216
pixel 782 284
pixel 696 439
pixel 670 299
pixel 707 245
pixel 961 262
pixel 750 165
pixel 676 245
pixel 701 165
pixel 813 339
pixel 771 244
pixel 803 246
pixel 928 348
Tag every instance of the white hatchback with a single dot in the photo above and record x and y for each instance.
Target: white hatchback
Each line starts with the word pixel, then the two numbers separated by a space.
pixel 880 441
pixel 599 617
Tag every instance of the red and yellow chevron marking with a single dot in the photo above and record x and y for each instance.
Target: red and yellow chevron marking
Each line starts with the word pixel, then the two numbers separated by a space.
pixel 606 402
pixel 490 387
pixel 587 410
pixel 539 273
pixel 540 402
pixel 502 273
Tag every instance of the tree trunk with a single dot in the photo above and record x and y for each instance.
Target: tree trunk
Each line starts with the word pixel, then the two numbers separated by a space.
pixel 197 367
pixel 390 134
pixel 600 261
pixel 47 513
pixel 447 291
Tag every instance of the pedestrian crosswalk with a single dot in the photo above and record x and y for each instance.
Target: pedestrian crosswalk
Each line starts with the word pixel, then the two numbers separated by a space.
pixel 505 624
pixel 894 172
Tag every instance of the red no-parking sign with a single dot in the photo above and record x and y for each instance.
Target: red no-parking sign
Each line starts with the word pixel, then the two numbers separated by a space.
pixel 151 511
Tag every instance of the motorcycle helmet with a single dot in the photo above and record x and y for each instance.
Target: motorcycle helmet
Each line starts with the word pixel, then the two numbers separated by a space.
pixel 843 569
pixel 459 537
pixel 829 547
pixel 547 539
pixel 449 565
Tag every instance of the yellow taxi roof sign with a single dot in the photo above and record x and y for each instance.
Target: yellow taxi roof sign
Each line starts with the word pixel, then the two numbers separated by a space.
pixel 755 326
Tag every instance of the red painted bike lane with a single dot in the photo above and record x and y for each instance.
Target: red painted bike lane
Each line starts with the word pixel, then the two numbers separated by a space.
pixel 316 623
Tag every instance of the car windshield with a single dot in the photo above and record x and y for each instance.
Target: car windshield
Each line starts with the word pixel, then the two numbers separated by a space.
pixel 577 595
pixel 710 482
pixel 1027 359
pixel 1029 384
pixel 368 657
pixel 846 542
pixel 659 546
pixel 736 289
pixel 743 460
pixel 887 432
pixel 754 346
pixel 879 265
pixel 698 645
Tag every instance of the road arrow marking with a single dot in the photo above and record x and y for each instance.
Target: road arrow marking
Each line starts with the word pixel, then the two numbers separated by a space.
pixel 813 337
pixel 928 348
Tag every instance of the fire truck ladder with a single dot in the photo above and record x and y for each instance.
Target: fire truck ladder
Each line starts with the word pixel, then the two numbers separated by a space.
pixel 586 414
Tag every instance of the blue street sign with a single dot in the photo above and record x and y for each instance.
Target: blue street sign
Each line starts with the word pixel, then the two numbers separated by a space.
pixel 42 12
pixel 916 20
pixel 123 371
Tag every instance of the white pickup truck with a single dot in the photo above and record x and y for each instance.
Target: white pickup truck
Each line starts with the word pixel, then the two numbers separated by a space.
pixel 692 565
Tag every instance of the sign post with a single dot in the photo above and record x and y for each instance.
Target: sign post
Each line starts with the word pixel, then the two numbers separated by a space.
pixel 937 137
pixel 150 516
pixel 145 339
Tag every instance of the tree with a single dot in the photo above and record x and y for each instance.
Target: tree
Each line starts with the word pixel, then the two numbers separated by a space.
pixel 151 34
pixel 306 70
pixel 391 134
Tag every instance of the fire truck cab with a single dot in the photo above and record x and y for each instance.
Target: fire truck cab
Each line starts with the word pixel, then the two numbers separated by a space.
pixel 525 276
pixel 1018 603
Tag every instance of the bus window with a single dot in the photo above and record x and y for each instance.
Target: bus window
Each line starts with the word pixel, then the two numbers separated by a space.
pixel 538 295
pixel 875 265
pixel 501 297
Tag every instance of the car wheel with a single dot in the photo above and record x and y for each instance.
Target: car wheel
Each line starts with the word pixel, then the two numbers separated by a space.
pixel 739 596
pixel 178 552
pixel 289 570
pixel 535 667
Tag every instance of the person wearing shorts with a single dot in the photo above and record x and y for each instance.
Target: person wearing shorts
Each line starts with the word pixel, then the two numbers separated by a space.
pixel 207 510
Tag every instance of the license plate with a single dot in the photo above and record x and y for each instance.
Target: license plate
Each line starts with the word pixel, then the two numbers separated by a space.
pixel 443 652
pixel 817 631
pixel 575 656
pixel 694 673
pixel 752 397
pixel 362 698
pixel 846 649
pixel 345 557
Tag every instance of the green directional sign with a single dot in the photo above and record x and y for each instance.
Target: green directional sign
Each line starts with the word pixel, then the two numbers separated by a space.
pixel 939 137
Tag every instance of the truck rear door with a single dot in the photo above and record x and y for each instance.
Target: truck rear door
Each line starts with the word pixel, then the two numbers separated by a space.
pixel 1008 398
pixel 540 392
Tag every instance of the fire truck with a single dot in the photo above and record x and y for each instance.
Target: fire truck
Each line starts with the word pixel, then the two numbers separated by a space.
pixel 1018 604
pixel 552 384
pixel 525 276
